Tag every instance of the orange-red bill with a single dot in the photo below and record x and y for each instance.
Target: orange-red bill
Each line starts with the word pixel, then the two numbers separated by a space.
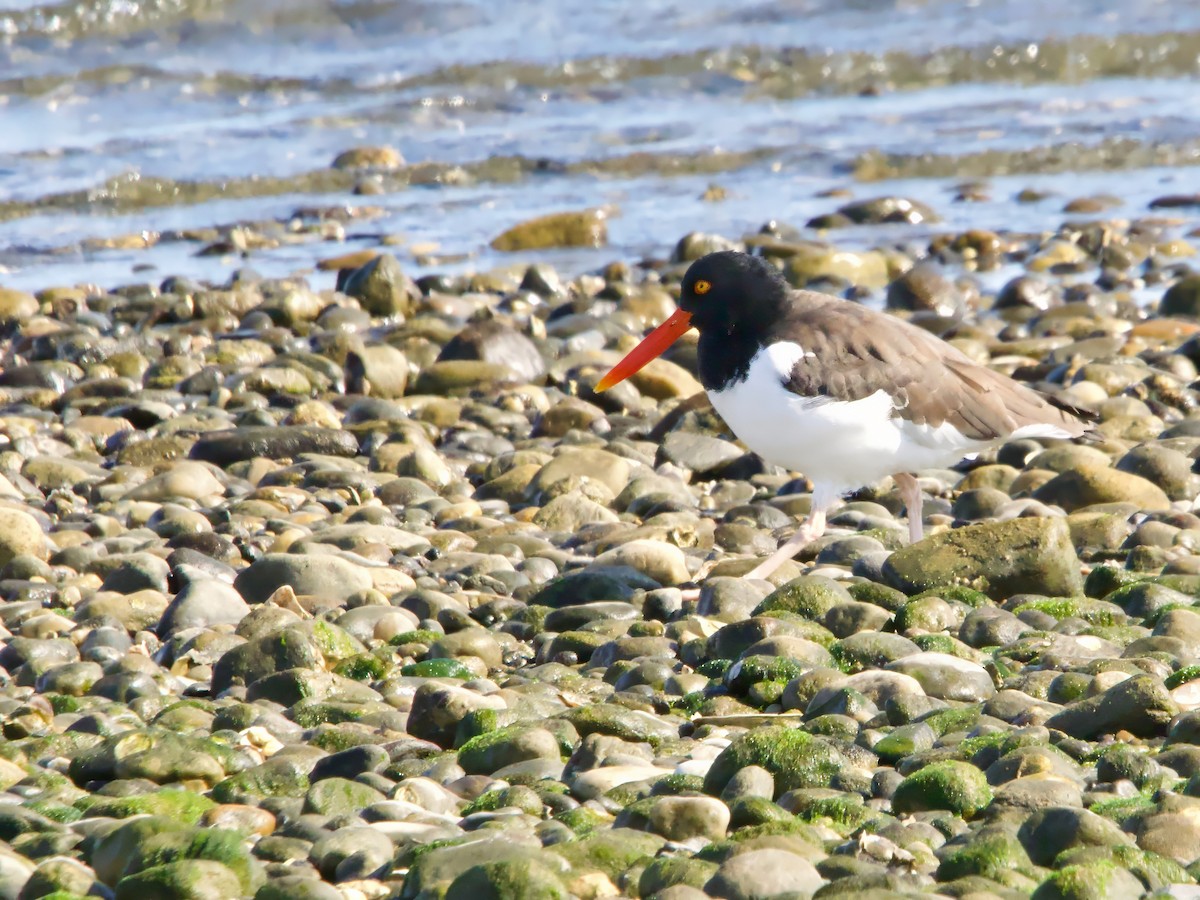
pixel 652 346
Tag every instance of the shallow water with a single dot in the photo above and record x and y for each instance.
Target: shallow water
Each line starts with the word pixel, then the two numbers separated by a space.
pixel 123 117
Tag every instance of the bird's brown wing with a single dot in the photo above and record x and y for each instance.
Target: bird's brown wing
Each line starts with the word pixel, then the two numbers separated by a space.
pixel 851 352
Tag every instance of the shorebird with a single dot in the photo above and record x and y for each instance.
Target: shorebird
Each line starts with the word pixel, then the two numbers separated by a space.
pixel 841 393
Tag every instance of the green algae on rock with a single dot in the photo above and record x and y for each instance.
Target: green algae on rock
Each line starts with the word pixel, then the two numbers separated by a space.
pixel 795 759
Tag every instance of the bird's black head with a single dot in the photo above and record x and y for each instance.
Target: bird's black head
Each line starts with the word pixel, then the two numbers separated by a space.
pixel 730 292
pixel 734 300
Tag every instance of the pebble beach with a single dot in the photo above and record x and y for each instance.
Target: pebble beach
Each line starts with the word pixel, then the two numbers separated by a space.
pixel 326 574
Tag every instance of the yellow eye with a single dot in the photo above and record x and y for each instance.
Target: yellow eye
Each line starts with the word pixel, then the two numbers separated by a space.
pixel 702 287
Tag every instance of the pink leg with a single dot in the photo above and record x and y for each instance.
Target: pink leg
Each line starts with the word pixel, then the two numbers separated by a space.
pixel 811 529
pixel 910 492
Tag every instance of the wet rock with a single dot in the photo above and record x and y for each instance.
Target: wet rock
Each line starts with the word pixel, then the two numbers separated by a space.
pixel 382 157
pixel 20 535
pixel 1139 705
pixel 923 288
pixel 946 677
pixel 17 306
pixel 378 370
pixel 1164 467
pixel 494 342
pixel 352 853
pixel 329 577
pixel 685 818
pixel 457 377
pixel 696 244
pixel 663 562
pixel 767 872
pixel 223 448
pixel 586 228
pixel 700 453
pixel 203 603
pixel 576 470
pixel 1028 292
pixel 1049 832
pixel 382 287
pixel 437 710
pixel 1182 298
pixel 593 585
pixel 1089 485
pixel 816 263
pixel 998 558
pixel 878 210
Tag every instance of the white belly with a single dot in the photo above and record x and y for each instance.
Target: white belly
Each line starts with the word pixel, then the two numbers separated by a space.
pixel 839 446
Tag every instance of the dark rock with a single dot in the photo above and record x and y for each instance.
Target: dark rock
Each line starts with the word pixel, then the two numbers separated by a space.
pixel 223 448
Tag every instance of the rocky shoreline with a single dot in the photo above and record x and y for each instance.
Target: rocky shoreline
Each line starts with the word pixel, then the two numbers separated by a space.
pixel 366 593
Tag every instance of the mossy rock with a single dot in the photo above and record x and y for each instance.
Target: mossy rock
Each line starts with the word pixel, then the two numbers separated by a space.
pixel 274 778
pixel 747 812
pixel 583 820
pixel 311 713
pixel 178 805
pixel 810 596
pixel 582 228
pixel 845 812
pixel 1099 880
pixel 951 785
pixel 991 853
pixel 417 636
pixel 435 866
pixel 153 753
pixel 1104 580
pixel 492 750
pixel 1094 612
pixel 517 796
pixel 189 879
pixel 1049 833
pixel 438 668
pixel 1181 676
pixel 877 594
pixel 795 758
pixel 517 879
pixel 1016 556
pixel 675 785
pixel 745 673
pixel 957 718
pixel 627 724
pixel 214 844
pixel 612 851
pixel 340 796
pixel 362 667
pixel 904 741
pixel 1154 871
pixel 481 721
pixel 667 871
pixel 781 833
pixel 338 737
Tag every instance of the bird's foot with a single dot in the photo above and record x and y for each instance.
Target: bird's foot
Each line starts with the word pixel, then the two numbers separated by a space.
pixel 910 493
pixel 811 529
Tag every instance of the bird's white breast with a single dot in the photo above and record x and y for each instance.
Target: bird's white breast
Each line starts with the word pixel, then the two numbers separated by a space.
pixel 839 445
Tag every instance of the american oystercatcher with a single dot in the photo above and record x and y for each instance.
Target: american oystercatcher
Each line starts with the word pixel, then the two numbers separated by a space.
pixel 841 393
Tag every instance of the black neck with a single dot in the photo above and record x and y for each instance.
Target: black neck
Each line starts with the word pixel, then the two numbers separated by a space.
pixel 723 358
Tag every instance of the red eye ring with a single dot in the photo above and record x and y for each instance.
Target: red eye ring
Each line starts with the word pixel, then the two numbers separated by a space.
pixel 702 287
